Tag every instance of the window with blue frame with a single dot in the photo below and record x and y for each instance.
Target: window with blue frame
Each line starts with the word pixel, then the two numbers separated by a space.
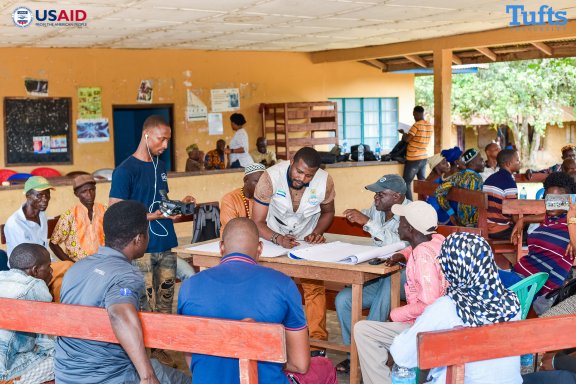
pixel 368 120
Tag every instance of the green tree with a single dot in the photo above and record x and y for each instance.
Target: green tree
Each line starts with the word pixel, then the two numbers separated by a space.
pixel 524 95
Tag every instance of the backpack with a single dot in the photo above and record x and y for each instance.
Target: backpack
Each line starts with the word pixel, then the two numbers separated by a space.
pixel 206 223
pixel 398 153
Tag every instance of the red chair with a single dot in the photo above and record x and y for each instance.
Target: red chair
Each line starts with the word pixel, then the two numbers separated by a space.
pixel 5 174
pixel 46 172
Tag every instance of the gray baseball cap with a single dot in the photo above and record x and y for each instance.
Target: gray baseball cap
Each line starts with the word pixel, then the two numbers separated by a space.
pixel 392 182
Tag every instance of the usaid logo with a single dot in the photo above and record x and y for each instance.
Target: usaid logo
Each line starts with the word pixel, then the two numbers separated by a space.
pixel 544 15
pixel 22 17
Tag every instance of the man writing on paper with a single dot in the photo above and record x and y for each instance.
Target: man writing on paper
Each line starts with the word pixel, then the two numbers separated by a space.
pixel 295 201
pixel 382 225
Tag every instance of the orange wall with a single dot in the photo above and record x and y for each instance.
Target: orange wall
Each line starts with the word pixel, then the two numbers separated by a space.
pixel 262 77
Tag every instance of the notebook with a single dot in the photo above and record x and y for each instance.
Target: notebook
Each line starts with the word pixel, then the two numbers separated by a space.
pixel 270 249
pixel 345 253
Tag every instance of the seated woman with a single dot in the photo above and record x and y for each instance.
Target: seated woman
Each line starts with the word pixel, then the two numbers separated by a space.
pixel 474 297
pixel 547 244
pixel 452 155
pixel 440 167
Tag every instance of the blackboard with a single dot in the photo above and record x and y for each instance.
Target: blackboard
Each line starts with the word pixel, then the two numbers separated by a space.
pixel 37 130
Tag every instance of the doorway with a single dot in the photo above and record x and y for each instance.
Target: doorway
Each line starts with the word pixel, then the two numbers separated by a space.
pixel 128 121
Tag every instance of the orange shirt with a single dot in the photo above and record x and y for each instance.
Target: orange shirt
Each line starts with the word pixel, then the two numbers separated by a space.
pixel 417 147
pixel 232 206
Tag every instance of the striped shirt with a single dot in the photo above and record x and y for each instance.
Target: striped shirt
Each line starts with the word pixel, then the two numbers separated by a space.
pixel 547 253
pixel 499 187
pixel 418 146
pixel 466 179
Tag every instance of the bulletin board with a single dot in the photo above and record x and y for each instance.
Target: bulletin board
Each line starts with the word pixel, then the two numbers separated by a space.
pixel 37 130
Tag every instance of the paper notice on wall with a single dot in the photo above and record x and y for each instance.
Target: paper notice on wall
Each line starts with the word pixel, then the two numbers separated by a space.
pixel 89 103
pixel 215 126
pixel 50 144
pixel 145 92
pixel 225 100
pixel 92 130
pixel 196 110
pixel 36 87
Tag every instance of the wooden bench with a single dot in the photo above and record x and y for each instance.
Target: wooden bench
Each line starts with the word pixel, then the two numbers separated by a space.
pixel 454 348
pixel 521 208
pixel 249 342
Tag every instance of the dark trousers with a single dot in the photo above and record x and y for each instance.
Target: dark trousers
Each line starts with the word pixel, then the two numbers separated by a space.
pixel 550 377
pixel 413 168
pixel 3 261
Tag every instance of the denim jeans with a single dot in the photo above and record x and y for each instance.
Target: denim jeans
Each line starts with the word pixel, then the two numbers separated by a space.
pixel 375 295
pixel 413 168
pixel 159 270
pixel 165 375
pixel 550 377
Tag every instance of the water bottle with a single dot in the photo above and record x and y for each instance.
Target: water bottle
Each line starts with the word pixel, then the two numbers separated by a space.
pixel 527 363
pixel 344 148
pixel 402 375
pixel 523 194
pixel 360 152
pixel 377 151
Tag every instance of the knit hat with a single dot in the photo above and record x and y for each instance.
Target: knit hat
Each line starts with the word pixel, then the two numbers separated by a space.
pixel 452 154
pixel 253 168
pixel 470 154
pixel 435 160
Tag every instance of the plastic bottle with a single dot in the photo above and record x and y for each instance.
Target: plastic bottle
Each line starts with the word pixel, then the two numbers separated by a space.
pixel 377 151
pixel 402 375
pixel 360 152
pixel 523 194
pixel 344 147
pixel 527 363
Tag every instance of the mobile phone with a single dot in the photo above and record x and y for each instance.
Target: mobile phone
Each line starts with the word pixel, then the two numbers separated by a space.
pixel 559 202
pixel 376 261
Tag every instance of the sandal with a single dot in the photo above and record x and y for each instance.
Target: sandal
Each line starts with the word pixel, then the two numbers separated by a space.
pixel 343 366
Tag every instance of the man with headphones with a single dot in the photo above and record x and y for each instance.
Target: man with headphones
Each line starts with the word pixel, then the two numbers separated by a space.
pixel 141 177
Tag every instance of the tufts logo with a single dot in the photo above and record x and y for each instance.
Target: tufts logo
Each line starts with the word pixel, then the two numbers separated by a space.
pixel 544 15
pixel 22 17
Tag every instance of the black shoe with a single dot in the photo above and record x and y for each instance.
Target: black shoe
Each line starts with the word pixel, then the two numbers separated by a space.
pixel 318 352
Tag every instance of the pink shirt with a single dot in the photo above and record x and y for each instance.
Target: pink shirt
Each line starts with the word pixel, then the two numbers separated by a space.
pixel 424 280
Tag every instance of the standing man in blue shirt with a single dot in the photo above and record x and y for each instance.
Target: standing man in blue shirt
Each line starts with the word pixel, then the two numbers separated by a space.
pixel 141 177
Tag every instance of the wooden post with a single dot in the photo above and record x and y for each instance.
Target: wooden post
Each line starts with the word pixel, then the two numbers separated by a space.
pixel 442 94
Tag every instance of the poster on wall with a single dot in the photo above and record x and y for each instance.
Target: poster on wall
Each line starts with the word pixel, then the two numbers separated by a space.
pixel 196 110
pixel 35 87
pixel 145 92
pixel 89 103
pixel 92 130
pixel 215 126
pixel 225 100
pixel 50 144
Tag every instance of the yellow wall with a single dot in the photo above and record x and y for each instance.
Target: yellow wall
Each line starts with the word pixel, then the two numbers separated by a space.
pixel 262 77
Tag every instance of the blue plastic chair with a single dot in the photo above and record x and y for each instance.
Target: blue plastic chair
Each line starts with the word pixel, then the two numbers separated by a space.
pixel 527 288
pixel 540 194
pixel 19 178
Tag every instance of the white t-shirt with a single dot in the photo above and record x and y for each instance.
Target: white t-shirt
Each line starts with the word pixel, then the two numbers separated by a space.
pixel 240 140
pixel 19 230
pixel 441 315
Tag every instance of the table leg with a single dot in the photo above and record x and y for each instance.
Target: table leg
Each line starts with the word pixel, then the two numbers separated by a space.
pixel 395 282
pixel 356 316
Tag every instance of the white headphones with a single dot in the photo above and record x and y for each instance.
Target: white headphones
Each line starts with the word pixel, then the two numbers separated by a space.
pixel 151 207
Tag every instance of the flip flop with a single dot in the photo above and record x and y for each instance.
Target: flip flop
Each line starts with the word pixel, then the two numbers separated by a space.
pixel 343 366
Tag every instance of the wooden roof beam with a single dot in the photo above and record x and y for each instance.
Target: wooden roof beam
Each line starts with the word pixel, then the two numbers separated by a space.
pixel 546 49
pixel 456 60
pixel 488 53
pixel 378 64
pixel 417 60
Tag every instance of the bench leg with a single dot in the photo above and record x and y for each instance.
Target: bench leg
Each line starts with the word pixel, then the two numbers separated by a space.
pixel 356 316
pixel 248 371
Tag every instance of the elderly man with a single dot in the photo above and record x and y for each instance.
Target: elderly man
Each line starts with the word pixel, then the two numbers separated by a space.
pixel 382 225
pixel 239 289
pixel 216 158
pixel 26 357
pixel 262 154
pixel 239 202
pixel 295 201
pixel 78 232
pixel 195 161
pixel 109 280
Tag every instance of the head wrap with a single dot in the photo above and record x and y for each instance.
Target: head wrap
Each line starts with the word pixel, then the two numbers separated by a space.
pixel 452 154
pixel 474 286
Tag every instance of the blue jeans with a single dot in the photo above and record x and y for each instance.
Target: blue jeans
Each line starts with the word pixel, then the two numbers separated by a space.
pixel 509 278
pixel 550 377
pixel 375 295
pixel 413 168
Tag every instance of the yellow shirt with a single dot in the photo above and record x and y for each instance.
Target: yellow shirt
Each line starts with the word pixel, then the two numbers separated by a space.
pixel 269 156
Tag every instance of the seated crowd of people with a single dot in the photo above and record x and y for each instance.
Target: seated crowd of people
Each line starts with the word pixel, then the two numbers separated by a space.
pixel 115 258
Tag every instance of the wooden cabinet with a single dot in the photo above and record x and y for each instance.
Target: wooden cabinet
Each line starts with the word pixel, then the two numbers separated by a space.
pixel 291 126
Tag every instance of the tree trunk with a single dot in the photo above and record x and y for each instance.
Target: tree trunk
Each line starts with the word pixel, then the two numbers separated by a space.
pixel 534 149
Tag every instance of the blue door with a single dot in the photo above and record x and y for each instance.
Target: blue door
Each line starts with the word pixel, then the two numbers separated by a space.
pixel 128 122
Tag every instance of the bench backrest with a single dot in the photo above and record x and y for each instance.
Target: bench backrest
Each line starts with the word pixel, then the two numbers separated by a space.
pixel 246 341
pixel 341 226
pixel 465 196
pixel 521 208
pixel 454 348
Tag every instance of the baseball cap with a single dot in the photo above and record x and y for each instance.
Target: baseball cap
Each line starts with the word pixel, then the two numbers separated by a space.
pixel 419 214
pixel 392 182
pixel 37 183
pixel 82 180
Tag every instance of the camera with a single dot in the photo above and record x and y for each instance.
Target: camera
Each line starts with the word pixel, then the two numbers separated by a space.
pixel 173 207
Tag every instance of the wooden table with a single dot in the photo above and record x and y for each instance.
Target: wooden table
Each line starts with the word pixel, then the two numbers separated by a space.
pixel 355 275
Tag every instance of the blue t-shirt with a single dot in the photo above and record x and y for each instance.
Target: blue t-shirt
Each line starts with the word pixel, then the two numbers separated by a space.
pixel 236 289
pixel 134 180
pixel 101 280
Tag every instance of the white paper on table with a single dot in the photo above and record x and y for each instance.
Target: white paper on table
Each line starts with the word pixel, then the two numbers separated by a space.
pixel 269 249
pixel 345 253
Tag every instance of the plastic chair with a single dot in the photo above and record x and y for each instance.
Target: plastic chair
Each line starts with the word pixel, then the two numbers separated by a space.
pixel 540 194
pixel 526 290
pixel 5 174
pixel 46 172
pixel 104 173
pixel 19 178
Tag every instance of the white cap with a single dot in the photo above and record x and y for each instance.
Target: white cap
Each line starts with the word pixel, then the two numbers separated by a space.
pixel 419 214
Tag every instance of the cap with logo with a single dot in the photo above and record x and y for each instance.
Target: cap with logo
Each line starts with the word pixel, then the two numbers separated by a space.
pixel 392 182
pixel 419 214
pixel 37 183
pixel 470 154
pixel 82 180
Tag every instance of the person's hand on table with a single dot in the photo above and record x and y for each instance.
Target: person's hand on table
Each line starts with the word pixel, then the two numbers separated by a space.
pixel 516 231
pixel 546 362
pixel 287 241
pixel 315 238
pixel 395 259
pixel 528 174
pixel 355 216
